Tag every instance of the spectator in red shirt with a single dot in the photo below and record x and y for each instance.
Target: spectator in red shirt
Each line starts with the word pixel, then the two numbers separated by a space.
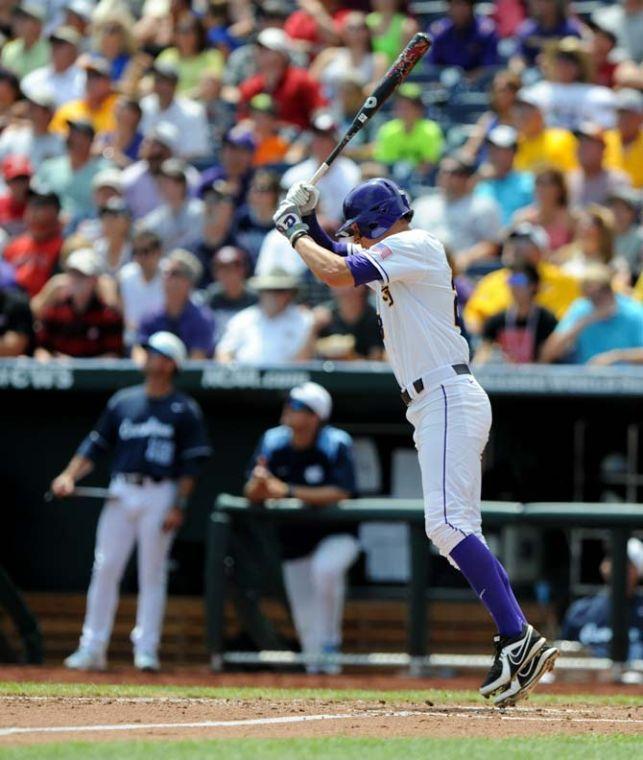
pixel 316 22
pixel 297 96
pixel 73 318
pixel 17 172
pixel 34 254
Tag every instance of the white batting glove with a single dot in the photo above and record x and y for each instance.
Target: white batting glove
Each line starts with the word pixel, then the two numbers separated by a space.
pixel 303 195
pixel 288 221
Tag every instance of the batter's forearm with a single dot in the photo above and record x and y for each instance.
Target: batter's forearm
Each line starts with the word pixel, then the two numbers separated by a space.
pixel 322 238
pixel 325 265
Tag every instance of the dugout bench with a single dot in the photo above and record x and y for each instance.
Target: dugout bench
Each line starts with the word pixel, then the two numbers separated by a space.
pixel 232 514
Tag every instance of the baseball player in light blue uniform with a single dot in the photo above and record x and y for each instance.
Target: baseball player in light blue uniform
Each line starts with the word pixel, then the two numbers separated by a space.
pixel 450 412
pixel 158 443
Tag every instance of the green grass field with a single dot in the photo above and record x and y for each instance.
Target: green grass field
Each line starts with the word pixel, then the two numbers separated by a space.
pixel 612 747
pixel 585 744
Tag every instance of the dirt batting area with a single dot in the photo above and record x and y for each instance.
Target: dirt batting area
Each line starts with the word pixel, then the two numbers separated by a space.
pixel 26 719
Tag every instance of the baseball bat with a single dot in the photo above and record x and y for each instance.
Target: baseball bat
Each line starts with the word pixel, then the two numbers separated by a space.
pixel 82 491
pixel 397 73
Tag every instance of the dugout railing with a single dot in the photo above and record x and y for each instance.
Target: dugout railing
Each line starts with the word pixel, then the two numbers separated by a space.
pixel 232 514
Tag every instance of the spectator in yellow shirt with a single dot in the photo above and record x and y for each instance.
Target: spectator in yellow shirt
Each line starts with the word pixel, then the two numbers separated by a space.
pixel 525 244
pixel 539 144
pixel 624 145
pixel 98 105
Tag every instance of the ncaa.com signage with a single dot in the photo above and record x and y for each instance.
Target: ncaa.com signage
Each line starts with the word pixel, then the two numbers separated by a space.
pixel 217 376
pixel 45 377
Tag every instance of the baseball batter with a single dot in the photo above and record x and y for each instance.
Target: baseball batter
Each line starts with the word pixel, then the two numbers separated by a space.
pixel 158 441
pixel 450 412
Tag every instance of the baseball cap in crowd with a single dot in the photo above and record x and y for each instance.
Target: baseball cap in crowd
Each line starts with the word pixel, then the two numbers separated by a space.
pixel 98 65
pixel 457 163
pixel 165 70
pixel 174 168
pixel 16 166
pixel 86 261
pixel 629 99
pixel 503 136
pixel 532 232
pixel 274 39
pixel 169 345
pixel 115 207
pixel 410 91
pixel 277 9
pixel 230 254
pixel 313 398
pixel 33 9
pixel 240 138
pixel 82 125
pixel 41 96
pixel 276 279
pixel 108 178
pixel 628 195
pixel 528 98
pixel 324 124
pixel 42 194
pixel 66 34
pixel 81 8
pixel 263 103
pixel 217 191
pixel 165 133
pixel 590 131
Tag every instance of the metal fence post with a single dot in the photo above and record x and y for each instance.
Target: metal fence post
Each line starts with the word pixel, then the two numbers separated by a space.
pixel 215 585
pixel 620 622
pixel 417 627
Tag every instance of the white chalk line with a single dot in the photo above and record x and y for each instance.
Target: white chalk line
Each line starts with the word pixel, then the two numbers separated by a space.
pixel 292 719
pixel 201 724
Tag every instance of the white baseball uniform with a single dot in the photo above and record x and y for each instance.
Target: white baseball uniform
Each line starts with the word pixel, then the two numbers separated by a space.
pixel 417 306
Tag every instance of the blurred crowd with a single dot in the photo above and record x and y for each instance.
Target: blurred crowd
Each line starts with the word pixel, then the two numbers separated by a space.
pixel 144 146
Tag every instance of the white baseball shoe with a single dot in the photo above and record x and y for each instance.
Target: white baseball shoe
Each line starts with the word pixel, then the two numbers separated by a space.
pixel 85 659
pixel 147 662
pixel 527 677
pixel 512 654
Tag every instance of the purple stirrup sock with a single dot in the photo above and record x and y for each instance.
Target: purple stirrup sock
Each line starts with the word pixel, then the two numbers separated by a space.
pixel 510 591
pixel 480 568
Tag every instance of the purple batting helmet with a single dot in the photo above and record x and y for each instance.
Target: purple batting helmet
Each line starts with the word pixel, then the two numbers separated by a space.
pixel 373 207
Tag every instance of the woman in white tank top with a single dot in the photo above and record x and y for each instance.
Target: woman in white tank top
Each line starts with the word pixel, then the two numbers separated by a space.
pixel 356 55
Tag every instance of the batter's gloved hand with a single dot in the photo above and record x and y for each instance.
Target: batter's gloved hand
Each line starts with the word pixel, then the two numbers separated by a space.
pixel 305 196
pixel 288 221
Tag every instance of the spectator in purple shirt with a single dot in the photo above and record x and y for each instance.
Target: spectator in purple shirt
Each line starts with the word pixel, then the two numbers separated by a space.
pixel 193 324
pixel 549 20
pixel 235 168
pixel 464 39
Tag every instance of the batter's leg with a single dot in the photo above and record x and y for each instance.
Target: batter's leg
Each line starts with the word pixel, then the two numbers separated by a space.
pixel 153 552
pixel 114 543
pixel 451 432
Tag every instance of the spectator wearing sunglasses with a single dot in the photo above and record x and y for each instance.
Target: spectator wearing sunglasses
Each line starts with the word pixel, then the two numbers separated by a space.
pixel 517 333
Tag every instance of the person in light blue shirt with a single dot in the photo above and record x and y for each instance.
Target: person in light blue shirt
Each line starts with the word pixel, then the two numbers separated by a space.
pixel 511 190
pixel 70 175
pixel 601 323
